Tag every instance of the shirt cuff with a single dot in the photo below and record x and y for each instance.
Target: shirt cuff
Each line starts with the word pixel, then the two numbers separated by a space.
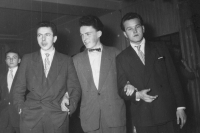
pixel 137 99
pixel 181 108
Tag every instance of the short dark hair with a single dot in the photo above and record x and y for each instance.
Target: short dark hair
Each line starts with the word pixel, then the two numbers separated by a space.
pixel 13 51
pixel 48 24
pixel 129 16
pixel 91 20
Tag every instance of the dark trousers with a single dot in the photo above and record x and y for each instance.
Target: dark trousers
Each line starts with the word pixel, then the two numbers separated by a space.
pixel 168 127
pixel 9 129
pixel 104 128
pixel 45 125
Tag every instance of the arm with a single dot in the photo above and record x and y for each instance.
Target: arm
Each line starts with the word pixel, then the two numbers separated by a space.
pixel 122 82
pixel 20 85
pixel 127 91
pixel 74 90
pixel 176 88
pixel 187 72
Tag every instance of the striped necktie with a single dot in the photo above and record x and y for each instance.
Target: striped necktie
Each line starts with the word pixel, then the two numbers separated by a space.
pixel 46 64
pixel 141 54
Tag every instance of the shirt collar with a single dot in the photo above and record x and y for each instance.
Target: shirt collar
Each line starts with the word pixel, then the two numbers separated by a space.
pixel 142 45
pixel 14 70
pixel 100 46
pixel 49 52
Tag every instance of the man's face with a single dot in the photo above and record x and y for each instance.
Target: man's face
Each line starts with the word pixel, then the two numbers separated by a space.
pixel 45 38
pixel 12 60
pixel 133 30
pixel 90 36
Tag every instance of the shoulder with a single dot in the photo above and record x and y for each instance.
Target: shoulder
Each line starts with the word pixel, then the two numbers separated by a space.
pixel 61 55
pixel 124 52
pixel 112 50
pixel 29 56
pixel 79 56
pixel 157 44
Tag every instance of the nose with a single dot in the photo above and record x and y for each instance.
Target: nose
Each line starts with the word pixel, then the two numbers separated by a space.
pixel 43 38
pixel 134 30
pixel 11 59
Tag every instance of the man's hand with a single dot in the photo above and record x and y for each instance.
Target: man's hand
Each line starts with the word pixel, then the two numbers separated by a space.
pixel 144 96
pixel 19 111
pixel 181 117
pixel 129 89
pixel 65 103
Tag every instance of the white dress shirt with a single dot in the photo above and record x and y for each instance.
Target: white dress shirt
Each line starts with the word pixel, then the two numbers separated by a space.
pixel 9 79
pixel 142 46
pixel 95 62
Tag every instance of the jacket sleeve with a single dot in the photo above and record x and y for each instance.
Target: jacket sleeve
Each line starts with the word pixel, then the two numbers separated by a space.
pixel 172 76
pixel 20 84
pixel 121 82
pixel 73 86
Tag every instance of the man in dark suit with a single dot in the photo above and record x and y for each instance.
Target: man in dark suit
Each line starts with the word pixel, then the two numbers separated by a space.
pixel 147 77
pixel 49 76
pixel 102 110
pixel 9 117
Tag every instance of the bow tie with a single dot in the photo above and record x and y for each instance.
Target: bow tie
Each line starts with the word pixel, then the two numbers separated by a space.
pixel 96 49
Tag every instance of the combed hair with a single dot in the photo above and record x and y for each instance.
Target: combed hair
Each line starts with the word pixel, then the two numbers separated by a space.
pixel 48 24
pixel 91 20
pixel 129 16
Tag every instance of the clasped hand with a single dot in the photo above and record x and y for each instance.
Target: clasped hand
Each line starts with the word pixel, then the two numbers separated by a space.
pixel 129 89
pixel 65 103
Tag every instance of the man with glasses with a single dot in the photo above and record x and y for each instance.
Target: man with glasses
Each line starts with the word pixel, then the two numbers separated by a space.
pixel 48 75
pixel 147 77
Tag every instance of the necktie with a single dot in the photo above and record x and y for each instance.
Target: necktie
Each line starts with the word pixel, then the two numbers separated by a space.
pixel 141 54
pixel 96 49
pixel 46 64
pixel 10 79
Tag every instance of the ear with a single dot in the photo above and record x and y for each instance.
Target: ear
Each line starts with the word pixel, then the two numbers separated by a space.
pixel 19 60
pixel 55 39
pixel 99 33
pixel 143 29
pixel 125 34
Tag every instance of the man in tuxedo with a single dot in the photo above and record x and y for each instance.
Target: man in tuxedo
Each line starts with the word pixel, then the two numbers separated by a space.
pixel 9 117
pixel 102 110
pixel 147 77
pixel 49 76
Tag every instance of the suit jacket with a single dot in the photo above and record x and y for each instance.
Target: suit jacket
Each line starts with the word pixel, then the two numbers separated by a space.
pixel 104 101
pixel 42 101
pixel 159 75
pixel 8 113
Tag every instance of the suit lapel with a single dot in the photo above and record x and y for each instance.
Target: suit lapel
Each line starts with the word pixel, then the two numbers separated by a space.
pixel 150 53
pixel 136 65
pixel 55 68
pixel 105 66
pixel 86 69
pixel 37 66
pixel 11 89
pixel 4 82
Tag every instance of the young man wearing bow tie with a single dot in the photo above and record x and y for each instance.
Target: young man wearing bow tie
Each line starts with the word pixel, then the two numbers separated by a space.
pixel 147 77
pixel 48 75
pixel 9 117
pixel 102 110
